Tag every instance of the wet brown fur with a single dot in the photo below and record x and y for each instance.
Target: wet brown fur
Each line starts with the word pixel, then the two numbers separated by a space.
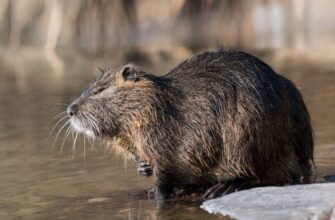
pixel 217 116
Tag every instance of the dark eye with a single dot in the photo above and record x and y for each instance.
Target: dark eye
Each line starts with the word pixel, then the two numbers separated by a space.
pixel 97 91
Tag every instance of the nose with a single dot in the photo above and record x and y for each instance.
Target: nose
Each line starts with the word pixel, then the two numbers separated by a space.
pixel 72 110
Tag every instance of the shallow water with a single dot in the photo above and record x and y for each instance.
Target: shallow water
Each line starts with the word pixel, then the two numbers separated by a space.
pixel 38 182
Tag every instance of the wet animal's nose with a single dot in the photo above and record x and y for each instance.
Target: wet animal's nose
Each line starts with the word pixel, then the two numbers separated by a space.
pixel 72 110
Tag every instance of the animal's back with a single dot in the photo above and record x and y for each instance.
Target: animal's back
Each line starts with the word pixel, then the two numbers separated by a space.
pixel 241 119
pixel 230 74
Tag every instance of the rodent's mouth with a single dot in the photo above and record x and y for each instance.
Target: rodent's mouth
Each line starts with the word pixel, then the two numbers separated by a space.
pixel 79 127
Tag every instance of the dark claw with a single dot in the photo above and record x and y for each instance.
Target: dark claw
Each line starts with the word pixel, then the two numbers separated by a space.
pixel 144 168
pixel 142 163
pixel 225 188
pixel 215 191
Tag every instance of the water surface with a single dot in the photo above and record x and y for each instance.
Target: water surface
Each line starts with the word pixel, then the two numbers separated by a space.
pixel 38 182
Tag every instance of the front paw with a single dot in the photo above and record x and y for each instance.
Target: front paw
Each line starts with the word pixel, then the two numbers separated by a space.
pixel 144 168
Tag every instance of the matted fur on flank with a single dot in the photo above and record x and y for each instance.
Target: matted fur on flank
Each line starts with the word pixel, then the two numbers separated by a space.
pixel 218 117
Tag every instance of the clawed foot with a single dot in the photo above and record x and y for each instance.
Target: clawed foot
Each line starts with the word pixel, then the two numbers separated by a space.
pixel 225 188
pixel 144 168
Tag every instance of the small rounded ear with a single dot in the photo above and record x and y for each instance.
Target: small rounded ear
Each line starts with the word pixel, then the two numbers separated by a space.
pixel 130 73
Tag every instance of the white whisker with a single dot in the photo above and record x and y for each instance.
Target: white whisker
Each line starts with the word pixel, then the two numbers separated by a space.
pixel 74 145
pixel 68 131
pixel 84 150
pixel 91 141
pixel 95 121
pixel 61 104
pixel 58 116
pixel 90 119
pixel 54 127
pixel 59 131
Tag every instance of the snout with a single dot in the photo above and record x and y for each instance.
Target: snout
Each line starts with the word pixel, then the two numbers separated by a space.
pixel 72 110
pixel 79 121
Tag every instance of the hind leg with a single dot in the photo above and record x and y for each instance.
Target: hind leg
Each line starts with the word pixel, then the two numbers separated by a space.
pixel 163 191
pixel 226 187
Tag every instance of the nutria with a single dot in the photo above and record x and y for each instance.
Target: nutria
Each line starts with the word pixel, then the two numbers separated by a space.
pixel 220 120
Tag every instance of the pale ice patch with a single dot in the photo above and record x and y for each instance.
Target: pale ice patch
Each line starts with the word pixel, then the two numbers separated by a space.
pixel 313 201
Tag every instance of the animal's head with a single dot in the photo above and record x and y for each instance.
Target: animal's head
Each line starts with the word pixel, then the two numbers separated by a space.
pixel 113 103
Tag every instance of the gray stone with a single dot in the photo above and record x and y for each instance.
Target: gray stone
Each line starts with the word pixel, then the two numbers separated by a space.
pixel 313 201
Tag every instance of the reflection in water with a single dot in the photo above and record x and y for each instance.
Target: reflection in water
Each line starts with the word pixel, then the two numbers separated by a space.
pixel 40 183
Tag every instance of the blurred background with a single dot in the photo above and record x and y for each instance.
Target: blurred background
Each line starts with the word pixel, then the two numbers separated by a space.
pixel 147 30
pixel 98 27
pixel 50 51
